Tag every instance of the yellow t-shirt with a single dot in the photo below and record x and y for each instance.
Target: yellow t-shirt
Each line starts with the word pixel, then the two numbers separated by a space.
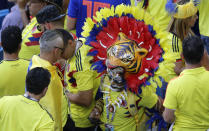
pixel 86 80
pixel 122 121
pixel 54 100
pixel 188 94
pixel 157 9
pixel 22 114
pixel 13 74
pixel 28 47
pixel 175 53
pixel 203 17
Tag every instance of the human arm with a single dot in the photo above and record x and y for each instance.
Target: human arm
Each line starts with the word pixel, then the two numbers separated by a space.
pixel 71 23
pixel 95 115
pixel 22 5
pixel 82 94
pixel 72 14
pixel 168 115
pixel 170 102
pixel 82 98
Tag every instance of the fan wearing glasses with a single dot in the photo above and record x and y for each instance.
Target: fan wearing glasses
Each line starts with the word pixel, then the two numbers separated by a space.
pixel 52 48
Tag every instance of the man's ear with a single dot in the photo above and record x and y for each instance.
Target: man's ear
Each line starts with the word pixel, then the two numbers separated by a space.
pixel 70 42
pixel 55 51
pixel 44 91
pixel 47 25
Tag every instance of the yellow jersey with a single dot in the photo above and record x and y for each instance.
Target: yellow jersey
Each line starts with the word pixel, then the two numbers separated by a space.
pixel 30 40
pixel 86 79
pixel 203 17
pixel 22 114
pixel 157 9
pixel 175 53
pixel 122 120
pixel 54 101
pixel 188 95
pixel 13 74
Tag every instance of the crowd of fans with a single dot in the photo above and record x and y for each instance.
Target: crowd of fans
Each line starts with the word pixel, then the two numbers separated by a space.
pixel 47 82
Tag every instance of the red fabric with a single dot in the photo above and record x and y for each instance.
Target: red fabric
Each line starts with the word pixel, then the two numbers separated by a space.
pixel 37 35
pixel 62 71
pixel 32 43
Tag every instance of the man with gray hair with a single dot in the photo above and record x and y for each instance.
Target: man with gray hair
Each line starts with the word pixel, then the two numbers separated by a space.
pixel 51 49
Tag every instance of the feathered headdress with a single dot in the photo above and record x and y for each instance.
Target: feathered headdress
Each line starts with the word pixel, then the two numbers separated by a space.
pixel 138 26
pixel 182 11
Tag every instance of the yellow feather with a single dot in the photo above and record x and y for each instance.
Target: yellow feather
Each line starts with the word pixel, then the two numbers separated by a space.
pixel 165 66
pixel 186 10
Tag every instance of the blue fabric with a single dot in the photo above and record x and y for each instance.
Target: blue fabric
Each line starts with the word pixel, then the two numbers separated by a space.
pixel 78 9
pixel 1 54
pixel 206 40
pixel 3 13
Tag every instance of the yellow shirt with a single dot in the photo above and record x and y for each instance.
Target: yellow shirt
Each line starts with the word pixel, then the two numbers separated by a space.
pixel 22 114
pixel 13 74
pixel 29 48
pixel 121 121
pixel 175 53
pixel 204 17
pixel 54 100
pixel 157 9
pixel 188 94
pixel 86 80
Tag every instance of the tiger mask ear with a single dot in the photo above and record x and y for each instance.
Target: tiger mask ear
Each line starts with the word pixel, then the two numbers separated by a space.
pixel 142 52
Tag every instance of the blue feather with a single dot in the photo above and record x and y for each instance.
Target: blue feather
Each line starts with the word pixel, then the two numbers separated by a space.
pixel 147 83
pixel 161 59
pixel 139 90
pixel 156 117
pixel 171 7
pixel 98 65
pixel 93 53
pixel 160 91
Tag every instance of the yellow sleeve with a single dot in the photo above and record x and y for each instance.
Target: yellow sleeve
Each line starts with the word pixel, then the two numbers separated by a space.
pixel 84 80
pixel 46 124
pixel 170 101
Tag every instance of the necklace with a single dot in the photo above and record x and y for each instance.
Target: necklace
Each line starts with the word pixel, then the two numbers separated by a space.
pixel 29 97
pixel 11 59
pixel 111 104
